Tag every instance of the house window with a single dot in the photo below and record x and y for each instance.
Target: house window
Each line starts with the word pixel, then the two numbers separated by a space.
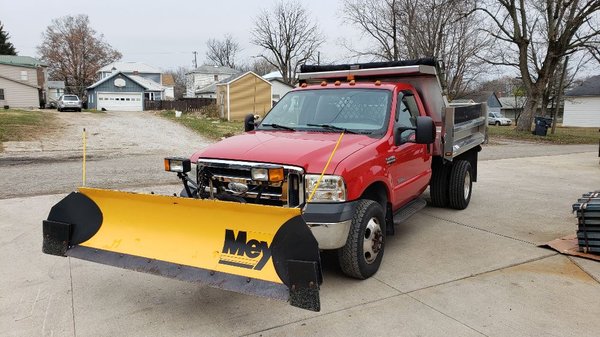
pixel 1 94
pixel 24 75
pixel 216 77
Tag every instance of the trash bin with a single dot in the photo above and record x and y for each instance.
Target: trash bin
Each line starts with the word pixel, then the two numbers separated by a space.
pixel 541 126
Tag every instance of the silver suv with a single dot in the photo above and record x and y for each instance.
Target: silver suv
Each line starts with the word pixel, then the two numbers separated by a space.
pixel 69 102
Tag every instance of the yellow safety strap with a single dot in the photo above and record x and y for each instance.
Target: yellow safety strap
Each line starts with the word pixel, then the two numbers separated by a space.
pixel 325 168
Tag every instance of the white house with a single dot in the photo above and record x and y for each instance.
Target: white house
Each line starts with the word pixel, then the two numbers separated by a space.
pixel 55 90
pixel 582 104
pixel 204 76
pixel 279 88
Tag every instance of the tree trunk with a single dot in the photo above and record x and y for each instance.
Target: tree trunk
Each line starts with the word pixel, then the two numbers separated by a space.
pixel 529 110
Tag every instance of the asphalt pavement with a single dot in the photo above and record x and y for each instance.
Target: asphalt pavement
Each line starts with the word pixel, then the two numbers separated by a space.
pixel 476 272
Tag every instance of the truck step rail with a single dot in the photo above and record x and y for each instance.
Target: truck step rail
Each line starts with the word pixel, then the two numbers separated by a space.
pixel 409 210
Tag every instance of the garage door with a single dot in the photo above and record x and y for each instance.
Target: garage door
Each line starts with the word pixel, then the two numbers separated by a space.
pixel 128 101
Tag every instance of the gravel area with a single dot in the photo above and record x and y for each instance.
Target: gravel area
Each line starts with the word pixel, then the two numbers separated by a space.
pixel 108 135
pixel 124 149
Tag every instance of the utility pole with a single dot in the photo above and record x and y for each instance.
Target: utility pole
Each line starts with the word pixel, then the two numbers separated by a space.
pixel 195 59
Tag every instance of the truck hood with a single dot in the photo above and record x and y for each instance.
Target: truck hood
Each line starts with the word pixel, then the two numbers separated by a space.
pixel 309 150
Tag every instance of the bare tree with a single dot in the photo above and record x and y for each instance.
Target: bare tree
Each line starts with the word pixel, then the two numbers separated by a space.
pixel 378 21
pixel 180 77
pixel 74 52
pixel 289 37
pixel 259 66
pixel 534 36
pixel 412 29
pixel 223 52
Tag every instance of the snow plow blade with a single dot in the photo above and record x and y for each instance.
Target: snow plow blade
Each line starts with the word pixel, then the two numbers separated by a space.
pixel 252 249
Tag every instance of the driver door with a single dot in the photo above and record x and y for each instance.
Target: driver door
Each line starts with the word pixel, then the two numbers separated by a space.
pixel 409 163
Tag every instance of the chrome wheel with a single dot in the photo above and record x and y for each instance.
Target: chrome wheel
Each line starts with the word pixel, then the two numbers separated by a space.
pixel 373 240
pixel 467 185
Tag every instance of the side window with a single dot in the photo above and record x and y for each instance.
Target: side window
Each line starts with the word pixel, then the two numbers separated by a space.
pixel 406 113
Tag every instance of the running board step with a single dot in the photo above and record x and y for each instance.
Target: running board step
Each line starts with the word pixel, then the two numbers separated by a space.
pixel 409 210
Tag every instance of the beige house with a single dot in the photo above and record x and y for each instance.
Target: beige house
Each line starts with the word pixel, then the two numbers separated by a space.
pixel 242 95
pixel 22 81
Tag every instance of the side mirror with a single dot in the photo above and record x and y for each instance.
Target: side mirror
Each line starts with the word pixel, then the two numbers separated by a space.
pixel 424 132
pixel 249 122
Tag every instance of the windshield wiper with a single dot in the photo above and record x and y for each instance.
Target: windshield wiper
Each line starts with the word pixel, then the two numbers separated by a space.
pixel 279 126
pixel 333 127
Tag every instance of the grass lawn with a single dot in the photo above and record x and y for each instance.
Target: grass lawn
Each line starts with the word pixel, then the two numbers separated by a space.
pixel 562 135
pixel 17 125
pixel 212 128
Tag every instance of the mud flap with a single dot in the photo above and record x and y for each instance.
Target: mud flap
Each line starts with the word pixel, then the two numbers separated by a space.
pixel 252 249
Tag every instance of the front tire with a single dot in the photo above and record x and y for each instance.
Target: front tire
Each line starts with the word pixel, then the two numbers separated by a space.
pixel 461 184
pixel 361 256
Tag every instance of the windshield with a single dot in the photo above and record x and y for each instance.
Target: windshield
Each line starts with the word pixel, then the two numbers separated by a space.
pixel 70 98
pixel 359 110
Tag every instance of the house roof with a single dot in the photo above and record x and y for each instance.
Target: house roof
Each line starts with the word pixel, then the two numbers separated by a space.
pixel 147 83
pixel 168 80
pixel 273 75
pixel 479 97
pixel 280 81
pixel 22 83
pixel 590 87
pixel 213 70
pixel 143 82
pixel 236 77
pixel 21 61
pixel 209 89
pixel 130 67
pixel 512 102
pixel 56 84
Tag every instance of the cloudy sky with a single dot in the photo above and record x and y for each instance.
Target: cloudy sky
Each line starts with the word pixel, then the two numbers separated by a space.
pixel 165 33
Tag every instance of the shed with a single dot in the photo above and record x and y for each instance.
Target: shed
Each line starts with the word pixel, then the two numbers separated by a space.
pixel 582 104
pixel 243 94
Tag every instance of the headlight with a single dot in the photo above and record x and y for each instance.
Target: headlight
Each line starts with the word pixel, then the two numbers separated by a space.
pixel 175 164
pixel 331 189
pixel 272 174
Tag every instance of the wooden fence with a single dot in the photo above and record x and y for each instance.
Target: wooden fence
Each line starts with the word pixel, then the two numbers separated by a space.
pixel 185 105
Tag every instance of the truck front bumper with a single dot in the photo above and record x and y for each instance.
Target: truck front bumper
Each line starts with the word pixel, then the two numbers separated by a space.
pixel 330 223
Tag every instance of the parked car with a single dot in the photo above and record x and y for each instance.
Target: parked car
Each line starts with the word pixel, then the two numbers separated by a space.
pixel 69 102
pixel 496 118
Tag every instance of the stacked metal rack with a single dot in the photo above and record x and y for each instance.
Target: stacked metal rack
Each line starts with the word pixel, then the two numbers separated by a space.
pixel 587 209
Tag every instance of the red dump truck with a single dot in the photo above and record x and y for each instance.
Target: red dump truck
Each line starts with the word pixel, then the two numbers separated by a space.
pixel 350 151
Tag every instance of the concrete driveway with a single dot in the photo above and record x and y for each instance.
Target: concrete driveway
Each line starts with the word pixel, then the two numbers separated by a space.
pixel 476 272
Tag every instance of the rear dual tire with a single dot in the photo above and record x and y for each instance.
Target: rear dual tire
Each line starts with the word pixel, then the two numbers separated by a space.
pixel 460 185
pixel 451 186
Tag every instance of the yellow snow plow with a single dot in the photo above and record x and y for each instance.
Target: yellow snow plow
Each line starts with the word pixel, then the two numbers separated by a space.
pixel 253 249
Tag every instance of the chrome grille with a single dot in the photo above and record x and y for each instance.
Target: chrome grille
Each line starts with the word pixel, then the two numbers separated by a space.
pixel 222 173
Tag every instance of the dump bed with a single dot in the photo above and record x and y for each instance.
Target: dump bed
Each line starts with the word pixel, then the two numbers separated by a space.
pixel 459 129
